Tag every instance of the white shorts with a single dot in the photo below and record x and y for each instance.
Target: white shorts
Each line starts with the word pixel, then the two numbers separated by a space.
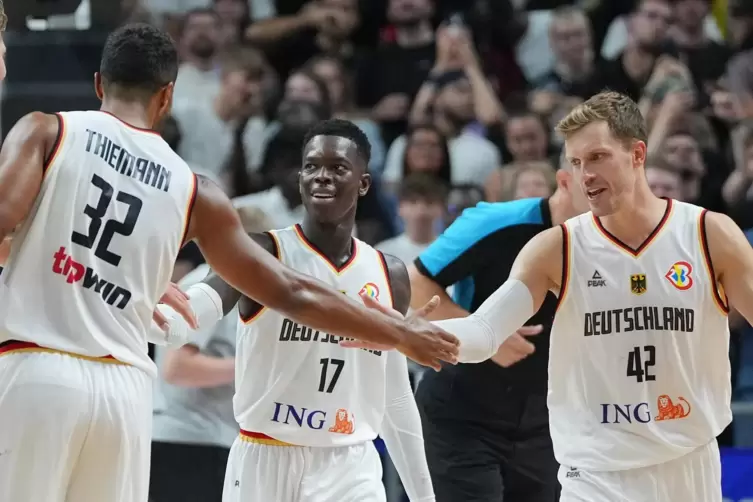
pixel 73 429
pixel 695 477
pixel 259 472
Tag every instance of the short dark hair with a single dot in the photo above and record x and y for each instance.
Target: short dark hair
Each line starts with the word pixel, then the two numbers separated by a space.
pixel 342 129
pixel 139 57
pixel 422 187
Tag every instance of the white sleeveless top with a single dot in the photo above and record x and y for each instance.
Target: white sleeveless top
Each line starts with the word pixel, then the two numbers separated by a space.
pixel 296 384
pixel 639 370
pixel 96 252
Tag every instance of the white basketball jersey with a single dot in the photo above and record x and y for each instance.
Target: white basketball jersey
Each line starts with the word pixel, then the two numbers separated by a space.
pixel 639 365
pixel 94 256
pixel 296 384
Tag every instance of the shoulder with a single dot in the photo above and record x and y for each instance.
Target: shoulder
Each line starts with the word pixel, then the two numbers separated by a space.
pixel 399 281
pixel 488 217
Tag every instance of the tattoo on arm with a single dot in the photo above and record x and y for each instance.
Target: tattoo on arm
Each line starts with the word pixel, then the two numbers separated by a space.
pixel 399 283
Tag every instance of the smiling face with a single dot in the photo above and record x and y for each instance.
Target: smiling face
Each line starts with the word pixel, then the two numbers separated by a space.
pixel 605 167
pixel 332 178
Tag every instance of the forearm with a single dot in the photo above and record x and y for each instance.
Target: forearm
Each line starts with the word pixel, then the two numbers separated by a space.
pixel 503 313
pixel 275 29
pixel 447 308
pixel 402 434
pixel 198 370
pixel 419 112
pixel 488 109
pixel 735 187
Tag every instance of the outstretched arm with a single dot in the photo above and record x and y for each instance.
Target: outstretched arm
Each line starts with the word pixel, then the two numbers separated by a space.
pixel 250 269
pixel 401 428
pixel 732 262
pixel 23 159
pixel 537 270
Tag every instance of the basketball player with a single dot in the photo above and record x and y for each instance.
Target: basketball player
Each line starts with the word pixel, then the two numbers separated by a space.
pixel 309 409
pixel 105 206
pixel 639 374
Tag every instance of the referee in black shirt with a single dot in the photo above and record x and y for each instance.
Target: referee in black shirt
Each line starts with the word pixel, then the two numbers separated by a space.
pixel 486 427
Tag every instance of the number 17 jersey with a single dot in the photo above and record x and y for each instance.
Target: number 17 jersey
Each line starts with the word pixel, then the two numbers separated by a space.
pixel 97 250
pixel 296 384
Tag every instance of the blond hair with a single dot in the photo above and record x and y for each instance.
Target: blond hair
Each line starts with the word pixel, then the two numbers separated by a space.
pixel 620 113
pixel 542 167
pixel 3 17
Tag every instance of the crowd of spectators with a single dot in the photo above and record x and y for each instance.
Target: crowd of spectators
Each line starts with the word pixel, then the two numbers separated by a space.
pixel 459 99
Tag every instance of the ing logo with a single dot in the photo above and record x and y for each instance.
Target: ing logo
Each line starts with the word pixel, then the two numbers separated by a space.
pixel 679 275
pixel 371 290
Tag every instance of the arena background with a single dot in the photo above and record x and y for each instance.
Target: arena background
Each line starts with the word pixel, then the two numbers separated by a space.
pixel 688 62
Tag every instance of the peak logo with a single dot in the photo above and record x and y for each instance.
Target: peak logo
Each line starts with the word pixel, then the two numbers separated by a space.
pixel 75 272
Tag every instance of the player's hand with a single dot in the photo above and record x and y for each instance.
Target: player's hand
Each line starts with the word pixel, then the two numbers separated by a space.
pixel 424 343
pixel 516 347
pixel 179 301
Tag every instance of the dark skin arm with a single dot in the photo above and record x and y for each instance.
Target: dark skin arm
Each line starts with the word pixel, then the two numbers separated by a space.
pixel 400 282
pixel 250 269
pixel 24 154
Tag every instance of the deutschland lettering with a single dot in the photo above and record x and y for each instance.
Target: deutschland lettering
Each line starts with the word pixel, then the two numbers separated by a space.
pixel 607 322
pixel 293 332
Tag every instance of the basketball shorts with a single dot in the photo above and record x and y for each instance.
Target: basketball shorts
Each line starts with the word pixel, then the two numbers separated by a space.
pixel 73 429
pixel 695 477
pixel 261 469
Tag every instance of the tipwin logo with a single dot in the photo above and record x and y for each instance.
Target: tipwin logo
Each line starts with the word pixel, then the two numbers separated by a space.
pixel 77 273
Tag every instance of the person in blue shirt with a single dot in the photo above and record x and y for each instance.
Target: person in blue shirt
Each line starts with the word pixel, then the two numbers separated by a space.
pixel 486 426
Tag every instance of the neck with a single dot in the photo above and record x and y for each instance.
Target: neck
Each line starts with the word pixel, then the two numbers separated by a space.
pixel 560 207
pixel 224 111
pixel 414 35
pixel 420 234
pixel 634 222
pixel 637 62
pixel 570 72
pixel 131 112
pixel 334 240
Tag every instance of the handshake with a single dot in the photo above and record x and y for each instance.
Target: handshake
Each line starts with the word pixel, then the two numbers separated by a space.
pixel 423 342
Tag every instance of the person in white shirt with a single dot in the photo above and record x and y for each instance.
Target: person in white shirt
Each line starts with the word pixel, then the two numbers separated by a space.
pixel 421 207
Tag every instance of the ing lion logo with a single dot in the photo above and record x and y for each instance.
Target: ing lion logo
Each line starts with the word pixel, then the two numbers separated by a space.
pixel 671 411
pixel 343 422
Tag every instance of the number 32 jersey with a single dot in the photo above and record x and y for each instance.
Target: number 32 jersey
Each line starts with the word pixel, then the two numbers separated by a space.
pixel 639 364
pixel 296 384
pixel 96 253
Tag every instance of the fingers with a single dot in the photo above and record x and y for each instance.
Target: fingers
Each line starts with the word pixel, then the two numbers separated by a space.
pixel 174 287
pixel 384 309
pixel 428 308
pixel 181 305
pixel 530 330
pixel 519 345
pixel 160 319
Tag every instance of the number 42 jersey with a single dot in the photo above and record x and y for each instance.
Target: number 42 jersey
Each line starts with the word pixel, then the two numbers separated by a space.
pixel 639 365
pixel 97 250
pixel 297 385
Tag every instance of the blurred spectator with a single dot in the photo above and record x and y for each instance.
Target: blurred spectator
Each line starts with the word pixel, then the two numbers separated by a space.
pixel 460 198
pixel 198 41
pixel 302 88
pixel 340 85
pixel 389 77
pixel 647 39
pixel 234 17
pixel 522 181
pixel 321 27
pixel 575 71
pixel 526 137
pixel 458 100
pixel 427 152
pixel 739 76
pixel 620 30
pixel 663 180
pixel 212 127
pixel 421 207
